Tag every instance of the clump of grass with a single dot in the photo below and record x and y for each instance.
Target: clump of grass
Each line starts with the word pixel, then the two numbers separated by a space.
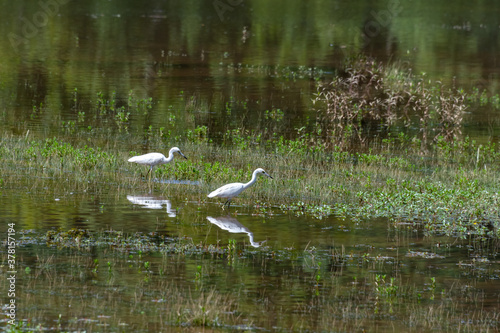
pixel 86 240
pixel 368 98
pixel 207 309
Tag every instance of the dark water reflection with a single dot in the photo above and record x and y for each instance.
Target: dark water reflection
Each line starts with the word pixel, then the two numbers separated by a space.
pixel 258 56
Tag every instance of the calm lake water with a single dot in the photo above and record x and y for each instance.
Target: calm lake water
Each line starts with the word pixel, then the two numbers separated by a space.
pixel 234 62
pixel 237 63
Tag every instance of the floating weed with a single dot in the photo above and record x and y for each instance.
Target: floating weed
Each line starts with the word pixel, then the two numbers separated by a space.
pixel 275 114
pixel 122 118
pixel 208 309
pixel 318 280
pixel 263 209
pixel 432 288
pixel 386 291
pixel 81 116
pixel 198 135
pixel 36 111
pixel 96 266
pixel 75 98
pixel 198 277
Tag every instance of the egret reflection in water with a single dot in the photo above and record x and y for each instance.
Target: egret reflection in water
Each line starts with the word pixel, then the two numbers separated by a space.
pixel 153 203
pixel 232 225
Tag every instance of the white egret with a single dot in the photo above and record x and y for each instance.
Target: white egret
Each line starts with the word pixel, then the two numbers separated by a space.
pixel 154 159
pixel 229 191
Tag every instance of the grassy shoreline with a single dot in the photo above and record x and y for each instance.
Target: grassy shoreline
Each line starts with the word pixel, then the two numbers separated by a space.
pixel 452 190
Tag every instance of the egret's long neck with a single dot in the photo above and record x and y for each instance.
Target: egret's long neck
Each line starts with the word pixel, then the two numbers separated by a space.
pixel 250 237
pixel 170 156
pixel 254 178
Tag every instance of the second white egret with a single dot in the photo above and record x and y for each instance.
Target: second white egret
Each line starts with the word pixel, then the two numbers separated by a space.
pixel 229 191
pixel 154 159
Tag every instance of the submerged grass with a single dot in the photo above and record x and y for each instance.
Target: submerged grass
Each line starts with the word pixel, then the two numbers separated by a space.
pixel 116 280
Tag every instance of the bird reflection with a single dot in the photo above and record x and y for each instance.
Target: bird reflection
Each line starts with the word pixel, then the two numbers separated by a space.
pixel 153 203
pixel 232 225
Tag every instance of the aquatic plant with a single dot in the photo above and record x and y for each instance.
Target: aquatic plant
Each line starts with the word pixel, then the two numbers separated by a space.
pixel 198 135
pixel 369 98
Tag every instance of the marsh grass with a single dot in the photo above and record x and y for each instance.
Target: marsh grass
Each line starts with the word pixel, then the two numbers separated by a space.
pixel 452 191
pixel 368 98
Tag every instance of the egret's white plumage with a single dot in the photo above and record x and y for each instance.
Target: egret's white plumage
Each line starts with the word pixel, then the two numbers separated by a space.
pixel 154 159
pixel 229 191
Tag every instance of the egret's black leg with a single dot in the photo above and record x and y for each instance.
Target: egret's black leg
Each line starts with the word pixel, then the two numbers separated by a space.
pixel 228 202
